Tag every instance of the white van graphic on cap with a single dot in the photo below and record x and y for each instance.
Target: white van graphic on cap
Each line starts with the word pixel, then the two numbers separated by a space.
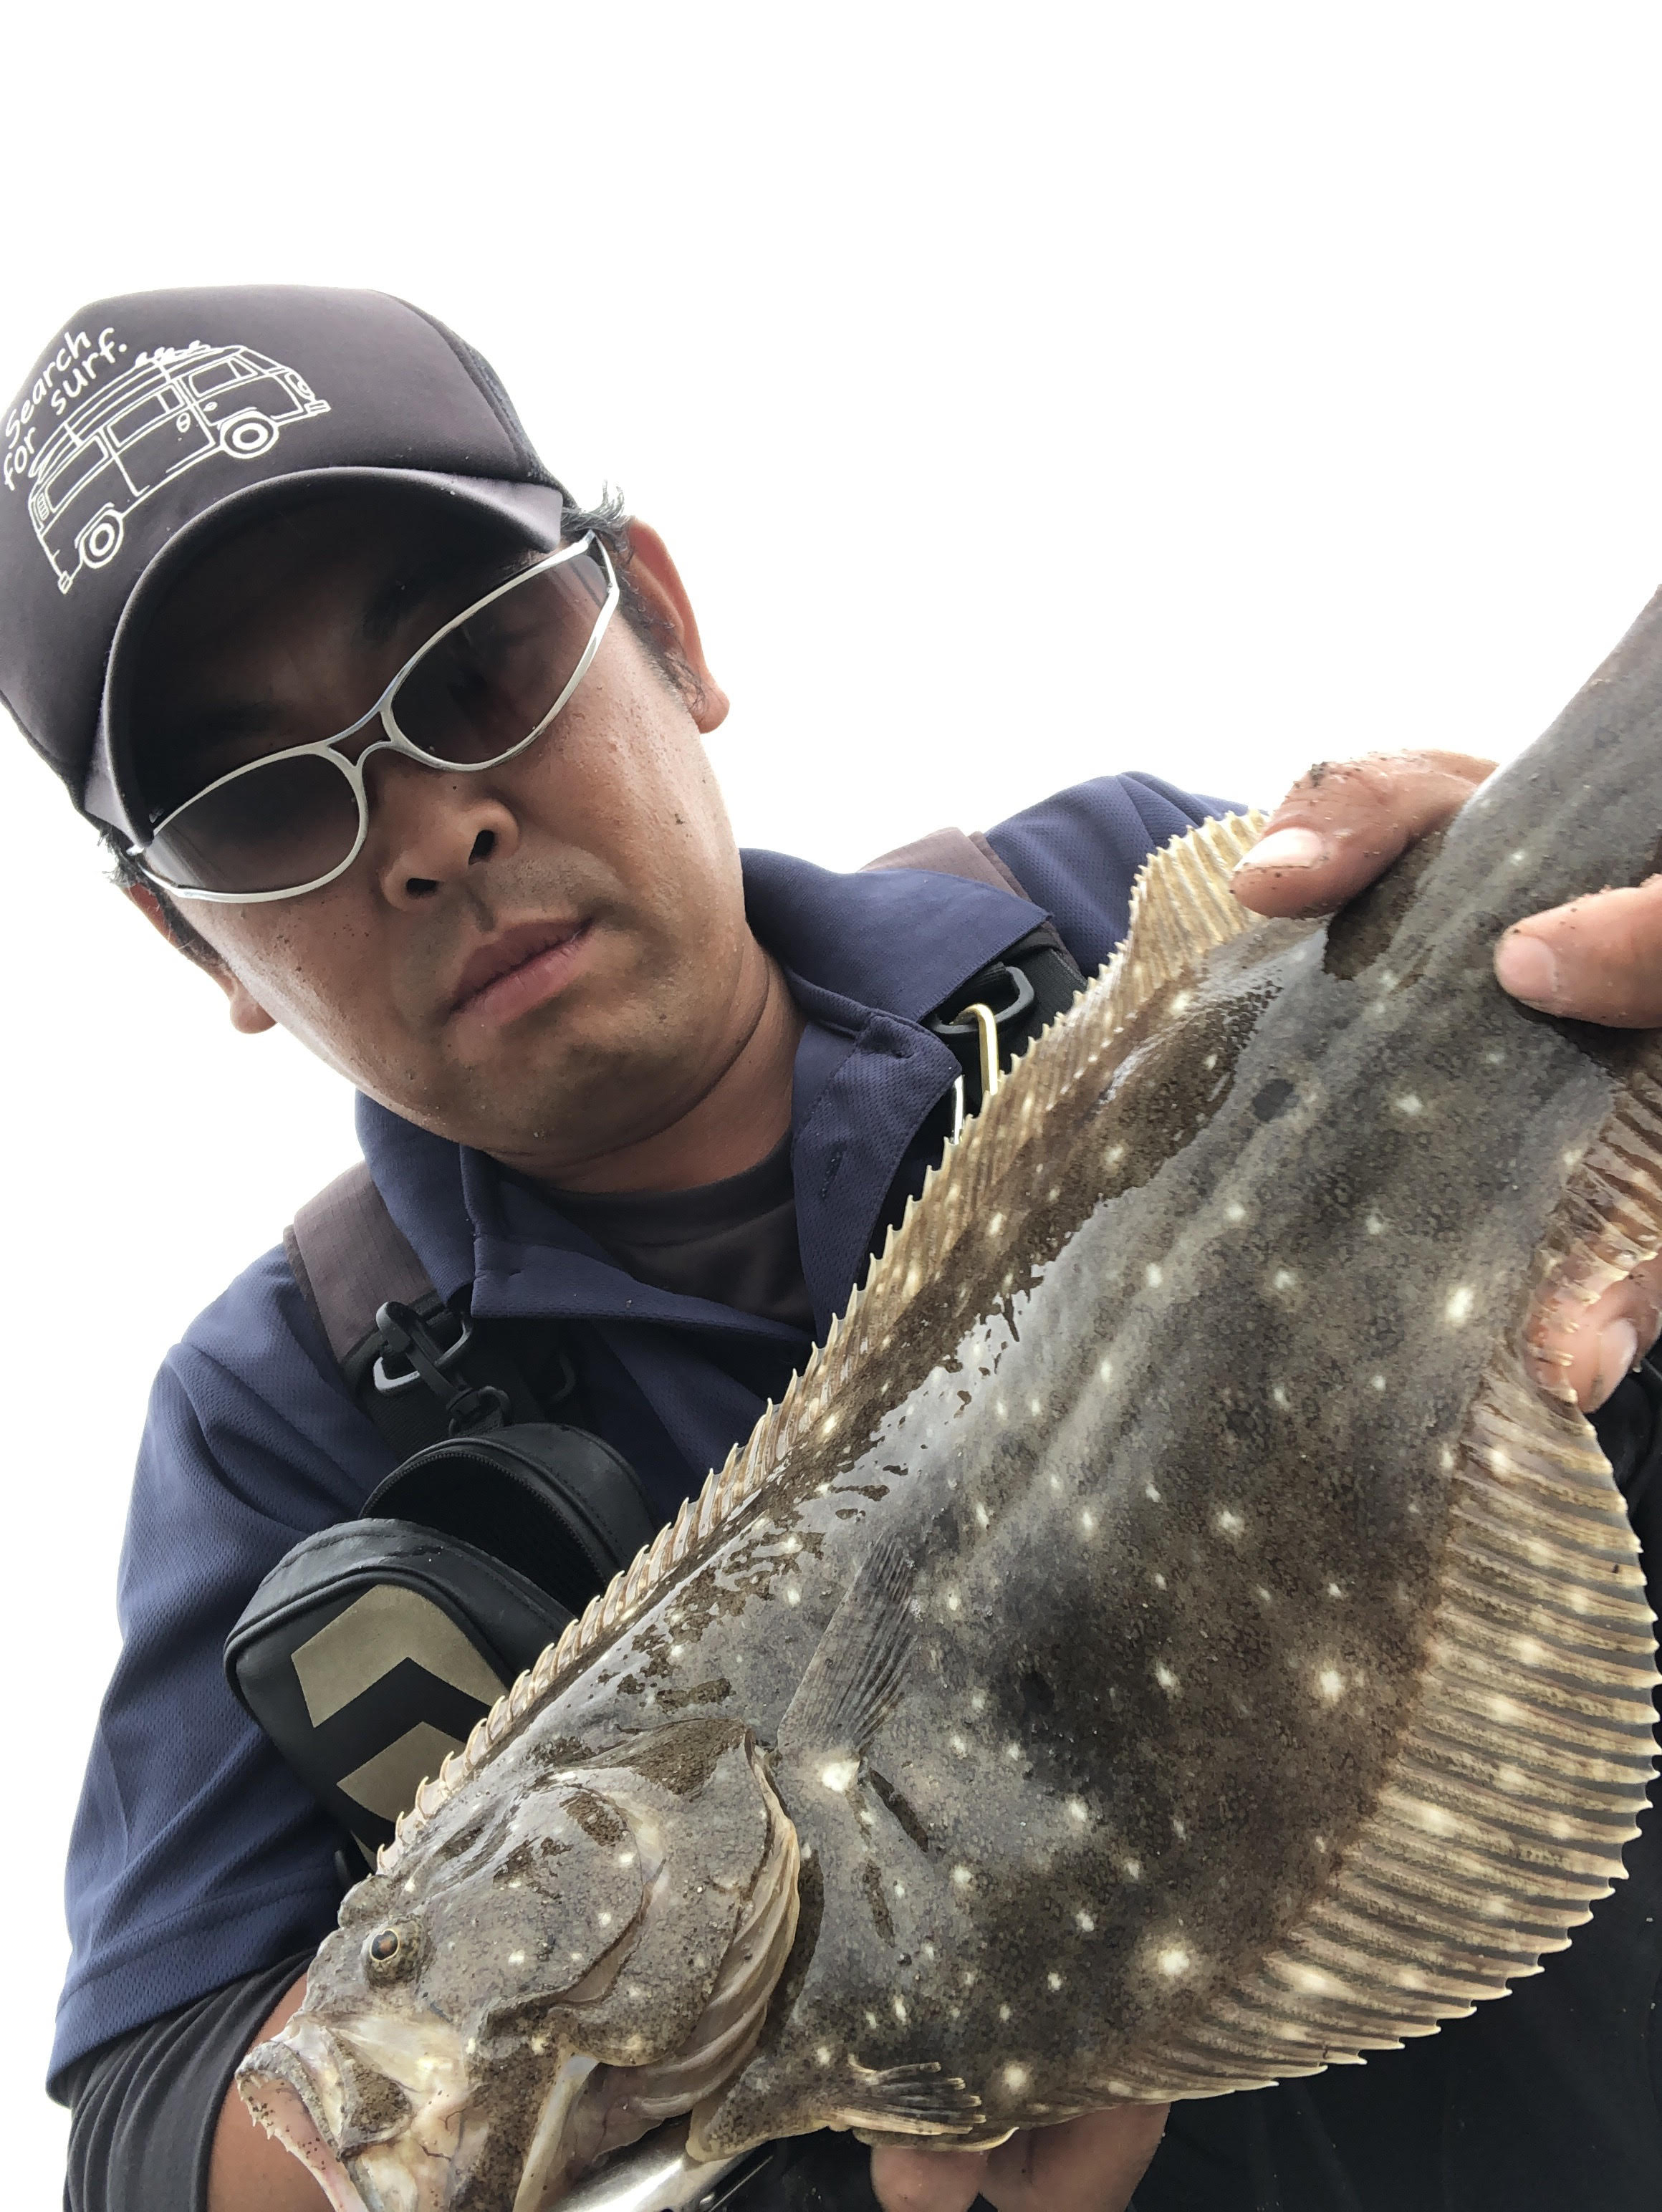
pixel 172 408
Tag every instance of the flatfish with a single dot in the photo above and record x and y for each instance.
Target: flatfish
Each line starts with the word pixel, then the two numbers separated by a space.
pixel 1167 1641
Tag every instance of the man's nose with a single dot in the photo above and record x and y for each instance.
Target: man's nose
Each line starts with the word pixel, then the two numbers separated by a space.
pixel 427 828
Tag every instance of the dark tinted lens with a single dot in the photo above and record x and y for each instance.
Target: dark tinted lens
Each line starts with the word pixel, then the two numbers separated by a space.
pixel 483 688
pixel 279 824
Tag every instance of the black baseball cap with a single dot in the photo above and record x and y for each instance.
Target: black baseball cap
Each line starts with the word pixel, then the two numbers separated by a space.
pixel 154 423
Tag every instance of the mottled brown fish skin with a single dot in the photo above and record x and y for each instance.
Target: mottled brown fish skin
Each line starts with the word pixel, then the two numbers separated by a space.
pixel 1169 1451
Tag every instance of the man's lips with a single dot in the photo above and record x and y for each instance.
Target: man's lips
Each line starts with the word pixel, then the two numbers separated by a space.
pixel 519 969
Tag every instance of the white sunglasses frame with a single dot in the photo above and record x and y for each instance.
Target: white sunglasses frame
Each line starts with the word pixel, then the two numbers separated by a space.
pixel 395 740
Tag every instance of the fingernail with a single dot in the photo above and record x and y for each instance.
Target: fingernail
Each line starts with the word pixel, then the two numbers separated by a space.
pixel 1287 848
pixel 1618 1349
pixel 1528 969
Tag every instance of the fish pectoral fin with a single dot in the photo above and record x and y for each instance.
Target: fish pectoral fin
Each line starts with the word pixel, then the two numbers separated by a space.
pixel 854 1679
pixel 904 2102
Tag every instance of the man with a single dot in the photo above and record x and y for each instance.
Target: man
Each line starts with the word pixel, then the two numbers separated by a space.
pixel 307 629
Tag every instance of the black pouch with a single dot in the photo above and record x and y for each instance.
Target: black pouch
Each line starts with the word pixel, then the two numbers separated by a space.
pixel 369 1651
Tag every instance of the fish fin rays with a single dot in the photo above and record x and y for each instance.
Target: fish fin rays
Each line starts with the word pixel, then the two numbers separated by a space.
pixel 1523 1767
pixel 853 1677
pixel 904 2102
pixel 1181 908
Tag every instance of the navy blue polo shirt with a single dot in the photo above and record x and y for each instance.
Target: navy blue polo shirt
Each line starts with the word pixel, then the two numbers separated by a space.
pixel 197 1857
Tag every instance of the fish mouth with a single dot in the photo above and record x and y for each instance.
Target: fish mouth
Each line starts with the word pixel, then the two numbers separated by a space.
pixel 373 2141
pixel 292 2086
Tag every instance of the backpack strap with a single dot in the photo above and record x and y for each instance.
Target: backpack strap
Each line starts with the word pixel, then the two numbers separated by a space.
pixel 421 1371
pixel 348 1257
pixel 1025 988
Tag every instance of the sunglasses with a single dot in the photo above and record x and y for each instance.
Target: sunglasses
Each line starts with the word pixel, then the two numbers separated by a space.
pixel 480 691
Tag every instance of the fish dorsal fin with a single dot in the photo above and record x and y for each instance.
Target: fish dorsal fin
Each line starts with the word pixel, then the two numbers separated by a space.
pixel 1181 908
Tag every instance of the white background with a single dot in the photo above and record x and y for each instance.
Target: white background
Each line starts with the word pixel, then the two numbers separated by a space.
pixel 1027 392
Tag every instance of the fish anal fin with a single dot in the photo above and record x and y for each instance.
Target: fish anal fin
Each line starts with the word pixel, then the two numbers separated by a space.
pixel 853 1677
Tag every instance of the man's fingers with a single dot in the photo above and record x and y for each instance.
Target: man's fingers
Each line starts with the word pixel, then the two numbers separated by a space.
pixel 1088 2165
pixel 1597 959
pixel 1345 822
pixel 1590 1347
pixel 926 2180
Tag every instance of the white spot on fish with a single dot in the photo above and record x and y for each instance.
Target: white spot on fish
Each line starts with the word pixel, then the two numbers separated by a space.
pixel 1210 1061
pixel 1445 1460
pixel 1053 1980
pixel 516 1958
pixel 1182 1003
pixel 1152 1276
pixel 1457 1307
pixel 676 1650
pixel 1333 1591
pixel 962 1878
pixel 999 1406
pixel 1263 1595
pixel 1330 1683
pixel 954 1602
pixel 1085 1923
pixel 1159 1581
pixel 1374 1225
pixel 1178 1829
pixel 1173 1961
pixel 983 1518
pixel 994 1227
pixel 1166 1678
pixel 1077 1809
pixel 626 1858
pixel 1409 1103
pixel 1280 1397
pixel 793 1595
pixel 823 2054
pixel 1229 1523
pixel 1106 1370
pixel 839 1774
pixel 871 2020
pixel 1234 1211
pixel 539 2044
pixel 1114 1155
pixel 1087 1522
pixel 602 1919
pixel 977 1701
pixel 1131 1868
pixel 959 1745
pixel 410 1886
pixel 1012 1751
pixel 1377 1382
pixel 1004 2014
pixel 1494 1057
pixel 900 1889
pixel 1151 1492
pixel 1284 1278
pixel 899 2004
pixel 969 1978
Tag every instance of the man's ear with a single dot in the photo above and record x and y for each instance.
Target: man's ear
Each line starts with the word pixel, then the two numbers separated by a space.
pixel 248 1015
pixel 657 579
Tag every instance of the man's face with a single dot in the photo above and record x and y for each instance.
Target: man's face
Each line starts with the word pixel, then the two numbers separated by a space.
pixel 544 959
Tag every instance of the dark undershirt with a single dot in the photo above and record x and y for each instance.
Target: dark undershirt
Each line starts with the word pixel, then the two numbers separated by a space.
pixel 733 1241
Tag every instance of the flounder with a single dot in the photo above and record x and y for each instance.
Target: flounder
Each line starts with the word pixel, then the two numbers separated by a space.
pixel 1165 1642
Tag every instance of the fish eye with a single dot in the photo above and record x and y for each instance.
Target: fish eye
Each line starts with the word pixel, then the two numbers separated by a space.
pixel 389 1951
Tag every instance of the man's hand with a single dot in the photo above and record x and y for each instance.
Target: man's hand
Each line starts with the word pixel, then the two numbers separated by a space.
pixel 1598 959
pixel 1088 2165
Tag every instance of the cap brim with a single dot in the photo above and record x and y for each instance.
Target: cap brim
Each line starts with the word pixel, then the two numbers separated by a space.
pixel 111 794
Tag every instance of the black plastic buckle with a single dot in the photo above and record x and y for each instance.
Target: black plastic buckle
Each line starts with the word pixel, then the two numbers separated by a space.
pixel 406 1336
pixel 980 988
